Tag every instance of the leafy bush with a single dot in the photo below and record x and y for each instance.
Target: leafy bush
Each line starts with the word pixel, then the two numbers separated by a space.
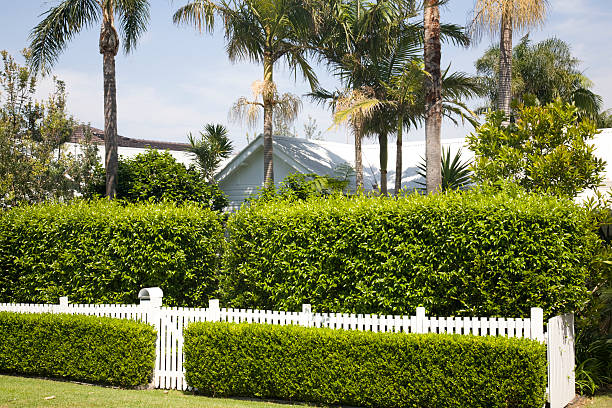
pixel 84 348
pixel 547 149
pixel 157 176
pixel 458 253
pixel 298 186
pixel 104 252
pixel 364 368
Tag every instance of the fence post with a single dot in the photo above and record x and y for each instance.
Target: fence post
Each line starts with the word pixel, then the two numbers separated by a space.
pixel 420 320
pixel 537 324
pixel 63 304
pixel 306 318
pixel 214 310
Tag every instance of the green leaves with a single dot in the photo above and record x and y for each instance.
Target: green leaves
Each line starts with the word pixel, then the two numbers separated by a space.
pixel 82 348
pixel 157 176
pixel 366 369
pixel 546 150
pixel 105 252
pixel 458 253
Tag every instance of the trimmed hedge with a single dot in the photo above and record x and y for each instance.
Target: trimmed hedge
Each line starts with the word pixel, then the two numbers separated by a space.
pixel 364 368
pixel 458 253
pixel 105 252
pixel 83 348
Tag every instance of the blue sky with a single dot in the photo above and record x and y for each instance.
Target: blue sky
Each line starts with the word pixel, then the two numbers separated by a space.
pixel 178 80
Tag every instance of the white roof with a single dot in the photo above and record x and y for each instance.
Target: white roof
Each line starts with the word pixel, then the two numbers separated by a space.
pixel 324 158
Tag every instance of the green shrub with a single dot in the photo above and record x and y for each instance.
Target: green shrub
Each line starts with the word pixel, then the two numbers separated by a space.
pixel 457 253
pixel 104 252
pixel 364 368
pixel 157 176
pixel 84 348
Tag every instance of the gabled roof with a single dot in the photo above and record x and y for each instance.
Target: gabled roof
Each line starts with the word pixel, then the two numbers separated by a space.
pixel 324 158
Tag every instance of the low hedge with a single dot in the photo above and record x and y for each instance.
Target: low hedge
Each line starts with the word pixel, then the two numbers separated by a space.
pixel 105 252
pixel 364 368
pixel 458 253
pixel 84 348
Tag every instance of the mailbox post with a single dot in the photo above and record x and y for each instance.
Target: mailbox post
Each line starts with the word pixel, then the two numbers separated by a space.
pixel 151 297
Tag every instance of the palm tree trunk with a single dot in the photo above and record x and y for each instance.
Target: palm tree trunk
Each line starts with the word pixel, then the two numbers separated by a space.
pixel 109 45
pixel 398 155
pixel 433 99
pixel 358 161
pixel 384 153
pixel 505 66
pixel 268 101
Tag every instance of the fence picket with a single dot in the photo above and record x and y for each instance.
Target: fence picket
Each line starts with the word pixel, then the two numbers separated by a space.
pixel 170 322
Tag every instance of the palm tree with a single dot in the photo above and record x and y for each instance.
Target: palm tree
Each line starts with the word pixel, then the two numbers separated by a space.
pixel 262 31
pixel 347 36
pixel 285 107
pixel 213 146
pixel 505 16
pixel 541 73
pixel 62 22
pixel 433 95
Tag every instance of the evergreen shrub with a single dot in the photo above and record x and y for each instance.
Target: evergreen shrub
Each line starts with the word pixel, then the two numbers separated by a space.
pixel 456 253
pixel 364 368
pixel 83 348
pixel 105 252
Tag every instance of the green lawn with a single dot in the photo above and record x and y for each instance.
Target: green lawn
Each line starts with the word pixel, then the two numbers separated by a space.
pixel 30 393
pixel 601 401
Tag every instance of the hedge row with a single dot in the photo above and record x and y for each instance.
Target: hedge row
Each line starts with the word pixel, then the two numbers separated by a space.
pixel 105 252
pixel 468 253
pixel 83 348
pixel 364 368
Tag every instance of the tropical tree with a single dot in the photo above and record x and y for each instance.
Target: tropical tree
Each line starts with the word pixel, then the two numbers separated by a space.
pixel 262 31
pixel 348 34
pixel 503 17
pixel 396 78
pixel 433 94
pixel 62 22
pixel 604 119
pixel 213 146
pixel 542 73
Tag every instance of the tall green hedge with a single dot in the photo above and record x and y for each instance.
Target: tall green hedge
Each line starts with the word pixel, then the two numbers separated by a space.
pixel 84 348
pixel 364 368
pixel 104 252
pixel 468 253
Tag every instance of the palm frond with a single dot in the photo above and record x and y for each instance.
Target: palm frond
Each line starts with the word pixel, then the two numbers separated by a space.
pixel 198 13
pixel 134 18
pixel 247 111
pixel 59 25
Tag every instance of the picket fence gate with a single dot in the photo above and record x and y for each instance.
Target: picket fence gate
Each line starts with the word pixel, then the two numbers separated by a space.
pixel 170 322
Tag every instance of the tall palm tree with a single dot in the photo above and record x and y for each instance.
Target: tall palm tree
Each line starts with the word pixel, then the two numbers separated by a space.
pixel 541 73
pixel 348 34
pixel 433 95
pixel 503 17
pixel 62 22
pixel 262 31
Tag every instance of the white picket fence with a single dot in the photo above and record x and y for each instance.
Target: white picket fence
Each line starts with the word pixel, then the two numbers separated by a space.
pixel 170 322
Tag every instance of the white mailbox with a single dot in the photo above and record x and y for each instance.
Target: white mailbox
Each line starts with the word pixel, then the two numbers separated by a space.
pixel 151 297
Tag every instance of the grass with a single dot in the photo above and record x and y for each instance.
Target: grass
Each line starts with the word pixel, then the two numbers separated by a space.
pixel 603 400
pixel 17 392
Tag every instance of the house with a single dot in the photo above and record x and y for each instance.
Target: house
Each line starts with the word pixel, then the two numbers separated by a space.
pixel 128 147
pixel 242 175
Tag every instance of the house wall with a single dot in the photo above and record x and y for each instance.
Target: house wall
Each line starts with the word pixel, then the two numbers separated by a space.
pixel 248 178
